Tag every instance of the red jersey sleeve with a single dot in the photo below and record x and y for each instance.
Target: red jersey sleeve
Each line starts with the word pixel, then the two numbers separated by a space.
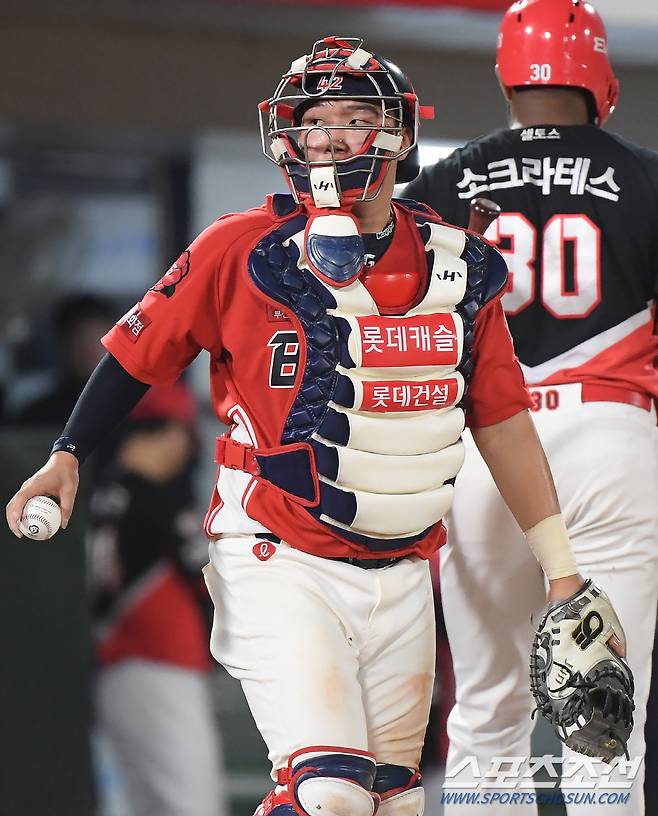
pixel 497 390
pixel 179 315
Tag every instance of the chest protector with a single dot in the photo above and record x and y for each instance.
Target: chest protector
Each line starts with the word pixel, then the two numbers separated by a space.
pixel 372 443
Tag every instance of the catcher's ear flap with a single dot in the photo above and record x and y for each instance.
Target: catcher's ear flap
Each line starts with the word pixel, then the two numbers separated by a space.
pixel 408 167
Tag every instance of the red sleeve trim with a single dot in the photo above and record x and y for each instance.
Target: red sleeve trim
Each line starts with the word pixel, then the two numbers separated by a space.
pixel 494 417
pixel 121 351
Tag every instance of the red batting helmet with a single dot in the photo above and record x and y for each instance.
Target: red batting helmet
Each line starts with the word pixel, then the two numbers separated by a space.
pixel 557 42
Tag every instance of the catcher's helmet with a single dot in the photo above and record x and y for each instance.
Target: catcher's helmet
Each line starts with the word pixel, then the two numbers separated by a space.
pixel 557 42
pixel 340 68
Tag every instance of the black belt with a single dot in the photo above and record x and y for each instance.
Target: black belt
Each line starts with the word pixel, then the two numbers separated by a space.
pixel 370 563
pixel 363 563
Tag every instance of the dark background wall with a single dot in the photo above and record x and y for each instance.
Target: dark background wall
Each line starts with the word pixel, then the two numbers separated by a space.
pixel 161 71
pixel 45 656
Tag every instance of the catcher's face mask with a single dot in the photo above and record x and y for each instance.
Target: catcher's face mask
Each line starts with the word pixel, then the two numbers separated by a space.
pixel 337 118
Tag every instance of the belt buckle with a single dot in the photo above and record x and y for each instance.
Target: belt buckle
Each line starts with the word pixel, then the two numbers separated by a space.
pixel 236 455
pixel 370 563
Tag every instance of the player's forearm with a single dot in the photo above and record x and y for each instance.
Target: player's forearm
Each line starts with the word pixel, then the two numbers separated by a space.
pixel 109 396
pixel 517 462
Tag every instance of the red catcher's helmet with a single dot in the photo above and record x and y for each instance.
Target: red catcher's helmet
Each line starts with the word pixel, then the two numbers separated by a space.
pixel 340 68
pixel 557 42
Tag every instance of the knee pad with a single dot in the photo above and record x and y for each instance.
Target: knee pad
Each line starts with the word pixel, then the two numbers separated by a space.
pixel 400 790
pixel 337 782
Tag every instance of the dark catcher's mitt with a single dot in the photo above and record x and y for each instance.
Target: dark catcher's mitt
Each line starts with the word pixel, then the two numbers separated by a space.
pixel 580 684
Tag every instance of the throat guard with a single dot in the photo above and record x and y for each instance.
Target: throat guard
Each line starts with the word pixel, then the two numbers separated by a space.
pixel 334 248
pixel 371 444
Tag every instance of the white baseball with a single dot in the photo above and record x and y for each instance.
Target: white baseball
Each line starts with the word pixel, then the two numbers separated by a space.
pixel 41 518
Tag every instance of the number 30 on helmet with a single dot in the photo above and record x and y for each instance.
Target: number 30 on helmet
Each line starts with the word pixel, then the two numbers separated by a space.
pixel 559 43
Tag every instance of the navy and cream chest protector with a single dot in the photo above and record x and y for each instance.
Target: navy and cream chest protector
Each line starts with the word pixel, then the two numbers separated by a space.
pixel 380 399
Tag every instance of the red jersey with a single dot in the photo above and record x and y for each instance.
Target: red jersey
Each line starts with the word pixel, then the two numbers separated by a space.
pixel 316 381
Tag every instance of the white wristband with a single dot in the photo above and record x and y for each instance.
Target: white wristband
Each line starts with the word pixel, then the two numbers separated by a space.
pixel 549 542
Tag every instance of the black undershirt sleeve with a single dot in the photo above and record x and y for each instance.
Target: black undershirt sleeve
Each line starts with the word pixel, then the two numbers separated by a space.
pixel 108 397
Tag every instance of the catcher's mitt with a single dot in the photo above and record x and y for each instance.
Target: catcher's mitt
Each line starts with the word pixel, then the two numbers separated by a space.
pixel 583 687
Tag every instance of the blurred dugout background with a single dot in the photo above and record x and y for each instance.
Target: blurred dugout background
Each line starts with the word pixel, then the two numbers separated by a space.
pixel 125 128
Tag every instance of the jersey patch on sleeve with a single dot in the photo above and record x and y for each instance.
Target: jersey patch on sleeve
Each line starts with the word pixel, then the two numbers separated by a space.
pixel 169 281
pixel 133 323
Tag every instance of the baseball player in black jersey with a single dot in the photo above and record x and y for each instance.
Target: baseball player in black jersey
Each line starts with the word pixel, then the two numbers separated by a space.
pixel 578 230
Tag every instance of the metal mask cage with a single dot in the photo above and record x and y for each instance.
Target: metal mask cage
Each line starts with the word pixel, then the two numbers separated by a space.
pixel 283 138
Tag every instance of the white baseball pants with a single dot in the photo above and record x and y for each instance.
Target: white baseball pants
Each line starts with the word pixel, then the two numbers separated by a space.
pixel 328 654
pixel 604 458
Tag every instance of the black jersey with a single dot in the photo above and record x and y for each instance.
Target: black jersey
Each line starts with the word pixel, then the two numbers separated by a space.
pixel 579 231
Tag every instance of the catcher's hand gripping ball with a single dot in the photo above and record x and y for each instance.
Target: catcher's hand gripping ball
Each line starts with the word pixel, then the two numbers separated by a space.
pixel 581 685
pixel 41 518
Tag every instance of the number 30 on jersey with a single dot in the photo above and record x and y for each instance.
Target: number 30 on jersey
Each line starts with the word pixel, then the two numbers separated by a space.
pixel 561 297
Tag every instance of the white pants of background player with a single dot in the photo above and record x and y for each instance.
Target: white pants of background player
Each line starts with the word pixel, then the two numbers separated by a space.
pixel 604 458
pixel 328 654
pixel 158 719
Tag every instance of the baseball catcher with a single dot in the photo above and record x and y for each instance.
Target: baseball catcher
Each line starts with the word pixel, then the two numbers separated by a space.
pixel 352 339
pixel 578 676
